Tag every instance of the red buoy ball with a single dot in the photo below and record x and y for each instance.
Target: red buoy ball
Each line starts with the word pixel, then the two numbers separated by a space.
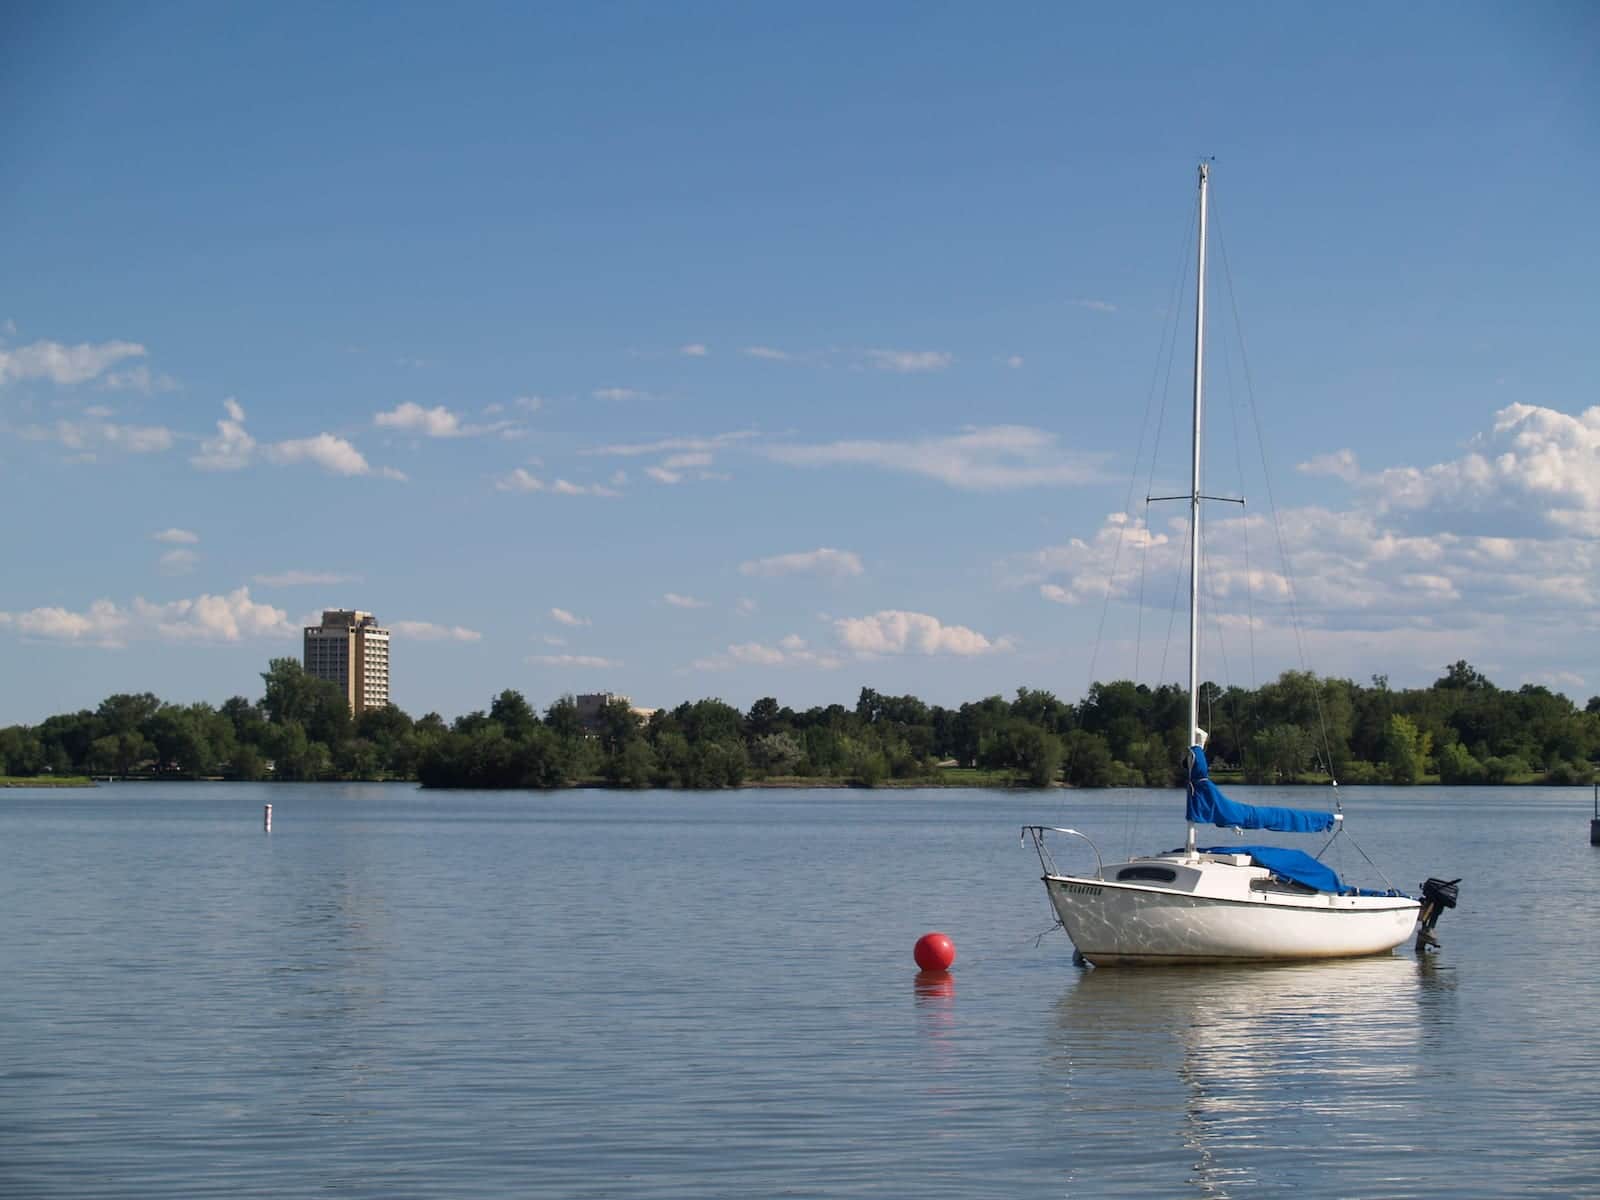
pixel 934 952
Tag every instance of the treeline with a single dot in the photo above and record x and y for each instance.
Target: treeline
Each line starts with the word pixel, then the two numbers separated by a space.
pixel 1461 729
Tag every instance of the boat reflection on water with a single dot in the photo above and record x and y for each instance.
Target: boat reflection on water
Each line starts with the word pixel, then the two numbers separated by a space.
pixel 1244 1077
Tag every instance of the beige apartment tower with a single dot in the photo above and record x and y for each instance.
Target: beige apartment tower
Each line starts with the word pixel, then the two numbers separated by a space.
pixel 349 649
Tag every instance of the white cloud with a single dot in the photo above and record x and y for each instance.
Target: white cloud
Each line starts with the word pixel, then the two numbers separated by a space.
pixel 574 660
pixel 745 607
pixel 677 601
pixel 231 448
pixel 1013 361
pixel 551 639
pixel 103 624
pixel 563 487
pixel 178 561
pixel 679 462
pixel 1536 469
pixel 791 651
pixel 62 364
pixel 177 537
pixel 896 632
pixel 992 458
pixel 619 393
pixel 1341 464
pixel 93 436
pixel 662 475
pixel 694 350
pixel 822 561
pixel 437 422
pixel 700 445
pixel 227 618
pixel 440 422
pixel 139 378
pixel 563 617
pixel 905 361
pixel 530 403
pixel 522 480
pixel 427 631
pixel 332 454
pixel 1104 306
pixel 768 353
pixel 304 578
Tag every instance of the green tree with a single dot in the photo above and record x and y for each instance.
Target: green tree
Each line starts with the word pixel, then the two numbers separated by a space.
pixel 513 714
pixel 1406 750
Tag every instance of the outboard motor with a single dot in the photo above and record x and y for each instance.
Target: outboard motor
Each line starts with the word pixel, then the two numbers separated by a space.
pixel 1437 895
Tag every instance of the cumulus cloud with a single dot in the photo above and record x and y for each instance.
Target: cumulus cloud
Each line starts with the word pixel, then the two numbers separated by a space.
pixel 574 660
pixel 92 437
pixel 427 631
pixel 177 537
pixel 694 350
pixel 678 601
pixel 563 617
pixel 62 364
pixel 522 480
pixel 231 447
pixel 822 561
pixel 230 617
pixel 139 378
pixel 440 422
pixel 1536 469
pixel 894 632
pixel 906 361
pixel 791 651
pixel 683 457
pixel 992 458
pixel 769 353
pixel 1341 464
pixel 332 454
pixel 437 422
pixel 620 393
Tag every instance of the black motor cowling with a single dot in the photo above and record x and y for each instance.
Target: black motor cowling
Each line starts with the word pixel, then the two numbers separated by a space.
pixel 1437 895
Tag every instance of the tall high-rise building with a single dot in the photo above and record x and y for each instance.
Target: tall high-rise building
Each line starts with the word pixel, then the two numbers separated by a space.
pixel 349 649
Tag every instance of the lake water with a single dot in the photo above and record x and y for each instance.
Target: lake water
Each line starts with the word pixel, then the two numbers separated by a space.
pixel 593 994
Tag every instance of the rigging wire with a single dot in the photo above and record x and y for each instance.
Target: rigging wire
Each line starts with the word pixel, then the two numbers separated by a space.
pixel 1272 504
pixel 1169 340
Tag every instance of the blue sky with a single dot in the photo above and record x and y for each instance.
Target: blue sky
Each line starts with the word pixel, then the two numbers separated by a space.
pixel 724 350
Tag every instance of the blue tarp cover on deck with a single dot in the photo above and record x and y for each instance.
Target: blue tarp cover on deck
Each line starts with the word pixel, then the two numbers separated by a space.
pixel 1208 806
pixel 1291 864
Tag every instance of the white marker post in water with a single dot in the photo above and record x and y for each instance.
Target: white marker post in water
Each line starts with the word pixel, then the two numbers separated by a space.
pixel 266 819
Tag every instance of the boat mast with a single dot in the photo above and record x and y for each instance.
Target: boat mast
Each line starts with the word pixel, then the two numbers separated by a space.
pixel 1194 479
pixel 1194 486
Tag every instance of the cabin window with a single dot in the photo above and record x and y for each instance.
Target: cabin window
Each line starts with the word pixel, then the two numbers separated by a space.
pixel 1150 874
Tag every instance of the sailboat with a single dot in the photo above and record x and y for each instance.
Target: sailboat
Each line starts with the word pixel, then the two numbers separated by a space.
pixel 1236 903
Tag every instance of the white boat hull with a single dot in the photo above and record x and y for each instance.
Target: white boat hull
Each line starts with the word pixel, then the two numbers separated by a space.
pixel 1113 923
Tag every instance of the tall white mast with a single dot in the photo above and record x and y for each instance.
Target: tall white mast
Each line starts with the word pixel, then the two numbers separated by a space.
pixel 1194 481
pixel 1194 488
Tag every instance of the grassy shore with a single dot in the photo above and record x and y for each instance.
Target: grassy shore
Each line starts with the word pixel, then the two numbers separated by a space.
pixel 45 781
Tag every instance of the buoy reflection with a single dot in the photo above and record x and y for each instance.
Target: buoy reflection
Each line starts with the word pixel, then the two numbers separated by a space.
pixel 935 985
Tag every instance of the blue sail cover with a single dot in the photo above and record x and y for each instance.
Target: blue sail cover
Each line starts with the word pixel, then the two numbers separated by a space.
pixel 1208 806
pixel 1290 864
